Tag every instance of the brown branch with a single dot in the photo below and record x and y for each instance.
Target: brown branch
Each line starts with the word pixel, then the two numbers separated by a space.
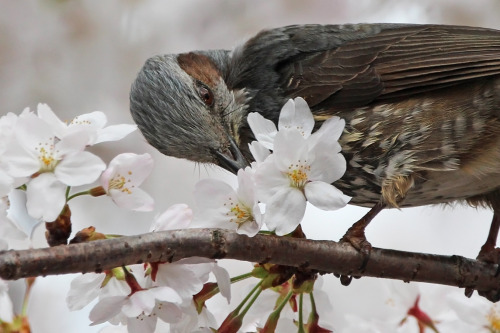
pixel 324 256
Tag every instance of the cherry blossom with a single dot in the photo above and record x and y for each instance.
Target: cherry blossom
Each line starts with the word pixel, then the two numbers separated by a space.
pixel 139 310
pixel 220 206
pixel 294 114
pixel 188 275
pixel 121 181
pixel 92 123
pixel 298 171
pixel 52 163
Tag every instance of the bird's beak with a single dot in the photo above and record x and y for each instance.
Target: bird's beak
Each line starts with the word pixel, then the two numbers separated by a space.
pixel 231 160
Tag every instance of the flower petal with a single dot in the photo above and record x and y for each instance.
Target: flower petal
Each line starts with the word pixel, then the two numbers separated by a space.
pixel 135 167
pixel 263 129
pixel 330 131
pixel 269 179
pixel 327 167
pixel 296 114
pixel 212 197
pixel 114 133
pixel 106 309
pixel 137 200
pixel 46 114
pixel 223 281
pixel 79 168
pixel 46 197
pixel 289 148
pixel 325 196
pixel 285 210
pixel 84 289
pixel 177 216
pixel 18 214
pixel 258 151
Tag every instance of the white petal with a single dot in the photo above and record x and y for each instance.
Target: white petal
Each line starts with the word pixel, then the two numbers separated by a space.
pixel 46 197
pixel 136 168
pixel 263 129
pixel 6 307
pixel 328 167
pixel 285 211
pixel 211 197
pixel 177 216
pixel 330 131
pixel 137 200
pixel 6 183
pixel 96 119
pixel 325 196
pixel 72 142
pixel 258 151
pixel 84 289
pixel 58 126
pixel 19 215
pixel 114 133
pixel 32 131
pixel 19 161
pixel 182 278
pixel 169 313
pixel 246 187
pixel 138 302
pixel 269 179
pixel 79 168
pixel 141 324
pixel 166 294
pixel 289 148
pixel 296 114
pixel 106 309
pixel 223 281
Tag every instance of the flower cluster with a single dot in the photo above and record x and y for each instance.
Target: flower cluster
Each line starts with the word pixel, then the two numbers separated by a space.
pixel 42 158
pixel 137 296
pixel 301 167
pixel 293 165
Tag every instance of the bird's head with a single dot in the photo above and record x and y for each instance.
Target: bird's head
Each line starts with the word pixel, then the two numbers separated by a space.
pixel 184 109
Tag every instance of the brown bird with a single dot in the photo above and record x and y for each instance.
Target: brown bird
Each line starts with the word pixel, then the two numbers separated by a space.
pixel 421 105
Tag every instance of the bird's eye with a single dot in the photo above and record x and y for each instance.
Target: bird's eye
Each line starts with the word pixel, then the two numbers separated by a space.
pixel 206 95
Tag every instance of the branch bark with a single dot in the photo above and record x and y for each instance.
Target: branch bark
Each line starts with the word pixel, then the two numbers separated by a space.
pixel 324 256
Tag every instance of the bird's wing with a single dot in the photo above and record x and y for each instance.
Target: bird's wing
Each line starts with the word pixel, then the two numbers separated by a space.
pixel 396 62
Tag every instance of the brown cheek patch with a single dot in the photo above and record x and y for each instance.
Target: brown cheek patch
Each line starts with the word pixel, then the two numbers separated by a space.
pixel 200 67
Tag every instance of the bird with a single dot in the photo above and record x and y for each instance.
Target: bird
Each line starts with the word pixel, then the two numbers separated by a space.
pixel 421 105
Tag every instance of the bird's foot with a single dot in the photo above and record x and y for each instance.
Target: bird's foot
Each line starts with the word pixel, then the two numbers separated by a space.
pixel 359 242
pixel 356 237
pixel 491 255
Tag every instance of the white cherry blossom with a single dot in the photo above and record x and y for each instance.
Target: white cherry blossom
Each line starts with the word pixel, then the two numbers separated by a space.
pixel 294 114
pixel 92 123
pixel 298 171
pixel 220 206
pixel 121 181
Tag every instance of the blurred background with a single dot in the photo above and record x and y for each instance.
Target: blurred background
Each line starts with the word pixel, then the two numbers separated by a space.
pixel 81 56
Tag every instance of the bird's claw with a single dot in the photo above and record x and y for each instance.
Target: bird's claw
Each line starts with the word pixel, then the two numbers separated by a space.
pixel 360 243
pixel 490 255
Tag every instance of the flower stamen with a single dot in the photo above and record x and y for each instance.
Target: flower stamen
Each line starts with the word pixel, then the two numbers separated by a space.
pixel 298 174
pixel 119 182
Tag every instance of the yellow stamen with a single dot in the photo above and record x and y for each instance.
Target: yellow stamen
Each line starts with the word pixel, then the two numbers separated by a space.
pixel 493 318
pixel 46 156
pixel 119 182
pixel 298 174
pixel 239 212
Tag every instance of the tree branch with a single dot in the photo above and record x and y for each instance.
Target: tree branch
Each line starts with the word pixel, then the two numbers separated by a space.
pixel 324 256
